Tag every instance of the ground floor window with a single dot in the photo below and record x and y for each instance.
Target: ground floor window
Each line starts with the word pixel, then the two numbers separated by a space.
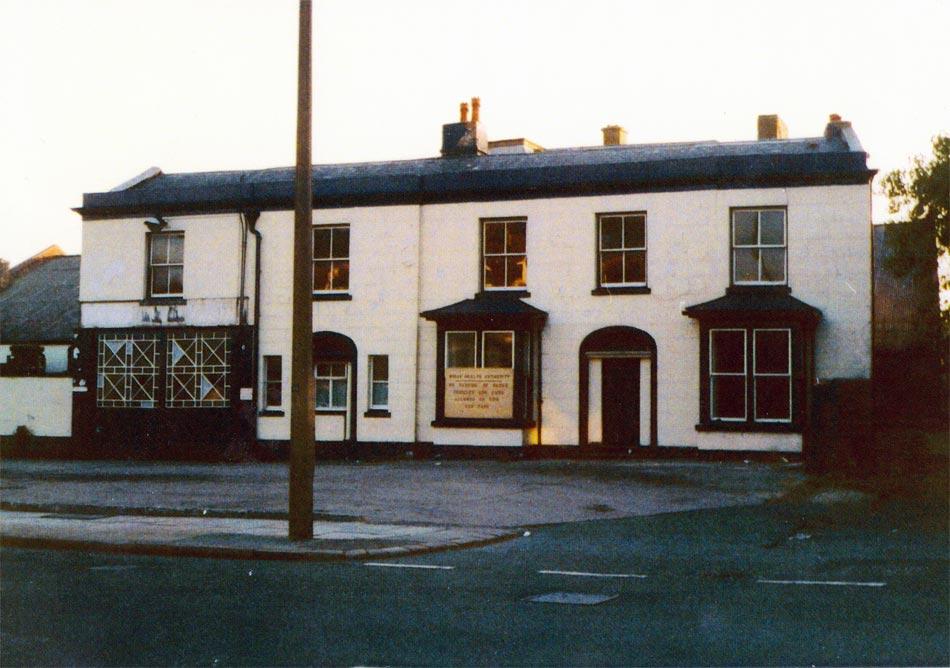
pixel 198 368
pixel 332 380
pixel 176 369
pixel 273 381
pixel 127 370
pixel 750 375
pixel 378 382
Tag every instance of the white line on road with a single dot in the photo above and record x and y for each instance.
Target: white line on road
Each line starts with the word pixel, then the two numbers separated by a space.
pixel 593 575
pixel 428 567
pixel 831 583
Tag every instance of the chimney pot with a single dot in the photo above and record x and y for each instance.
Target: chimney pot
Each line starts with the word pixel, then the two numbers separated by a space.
pixel 834 118
pixel 614 135
pixel 463 112
pixel 772 127
pixel 476 106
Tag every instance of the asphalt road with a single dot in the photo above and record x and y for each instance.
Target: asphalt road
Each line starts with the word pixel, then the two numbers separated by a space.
pixel 776 584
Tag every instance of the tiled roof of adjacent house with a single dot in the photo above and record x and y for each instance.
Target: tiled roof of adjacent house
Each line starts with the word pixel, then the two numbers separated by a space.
pixel 41 305
pixel 551 173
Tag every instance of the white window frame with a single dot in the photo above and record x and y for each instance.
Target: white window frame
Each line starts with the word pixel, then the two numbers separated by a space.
pixel 623 249
pixel 331 259
pixel 756 375
pixel 759 245
pixel 744 375
pixel 164 237
pixel 373 382
pixel 332 379
pixel 474 346
pixel 498 331
pixel 505 254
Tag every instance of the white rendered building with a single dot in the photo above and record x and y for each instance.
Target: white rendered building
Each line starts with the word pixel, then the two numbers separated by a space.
pixel 618 297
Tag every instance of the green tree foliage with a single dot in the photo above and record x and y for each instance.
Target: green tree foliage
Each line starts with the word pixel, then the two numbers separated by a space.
pixel 922 192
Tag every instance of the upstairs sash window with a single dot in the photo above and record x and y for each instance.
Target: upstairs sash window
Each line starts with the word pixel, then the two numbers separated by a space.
pixel 166 261
pixel 759 247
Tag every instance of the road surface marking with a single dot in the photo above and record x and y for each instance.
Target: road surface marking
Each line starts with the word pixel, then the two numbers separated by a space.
pixel 832 583
pixel 421 566
pixel 593 575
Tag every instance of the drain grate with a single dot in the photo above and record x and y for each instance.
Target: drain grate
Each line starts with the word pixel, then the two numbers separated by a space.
pixel 571 598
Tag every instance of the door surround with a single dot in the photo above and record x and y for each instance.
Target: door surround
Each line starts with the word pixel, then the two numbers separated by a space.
pixel 615 341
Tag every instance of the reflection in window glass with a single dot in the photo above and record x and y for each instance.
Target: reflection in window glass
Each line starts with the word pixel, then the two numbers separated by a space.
pixel 504 259
pixel 758 246
pixel 331 384
pixel 623 252
pixel 331 258
pixel 497 350
pixel 460 349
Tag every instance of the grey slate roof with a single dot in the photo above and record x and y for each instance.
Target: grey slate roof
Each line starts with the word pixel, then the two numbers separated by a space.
pixel 552 173
pixel 41 305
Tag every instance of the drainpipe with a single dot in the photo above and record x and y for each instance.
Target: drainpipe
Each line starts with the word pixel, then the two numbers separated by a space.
pixel 241 308
pixel 251 218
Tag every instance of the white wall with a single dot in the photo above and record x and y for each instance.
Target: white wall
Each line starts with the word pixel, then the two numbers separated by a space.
pixel 43 405
pixel 112 277
pixel 380 319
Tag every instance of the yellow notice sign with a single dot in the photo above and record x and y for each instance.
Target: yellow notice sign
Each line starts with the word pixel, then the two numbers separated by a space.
pixel 478 393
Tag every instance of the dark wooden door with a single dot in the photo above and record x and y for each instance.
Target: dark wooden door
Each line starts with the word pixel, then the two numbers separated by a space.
pixel 620 402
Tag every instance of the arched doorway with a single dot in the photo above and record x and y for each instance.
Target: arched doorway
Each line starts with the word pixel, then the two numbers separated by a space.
pixel 617 389
pixel 334 373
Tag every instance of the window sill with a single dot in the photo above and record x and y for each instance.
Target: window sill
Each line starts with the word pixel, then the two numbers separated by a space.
pixel 751 427
pixel 622 290
pixel 271 412
pixel 322 411
pixel 332 297
pixel 514 293
pixel 483 423
pixel 163 301
pixel 377 413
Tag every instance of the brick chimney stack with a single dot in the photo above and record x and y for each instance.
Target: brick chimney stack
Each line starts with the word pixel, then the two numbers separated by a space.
pixel 614 135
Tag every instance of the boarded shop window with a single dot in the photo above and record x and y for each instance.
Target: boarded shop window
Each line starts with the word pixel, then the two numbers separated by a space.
pixel 758 247
pixel 197 369
pixel 127 370
pixel 504 254
pixel 379 381
pixel 622 249
pixel 273 381
pixel 166 255
pixel 331 258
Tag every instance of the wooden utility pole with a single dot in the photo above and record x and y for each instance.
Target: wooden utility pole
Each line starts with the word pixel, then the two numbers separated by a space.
pixel 302 405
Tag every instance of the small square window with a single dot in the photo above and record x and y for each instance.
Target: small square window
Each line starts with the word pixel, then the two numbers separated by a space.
pixel 332 385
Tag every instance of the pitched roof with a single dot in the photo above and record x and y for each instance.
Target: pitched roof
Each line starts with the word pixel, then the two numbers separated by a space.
pixel 41 305
pixel 551 173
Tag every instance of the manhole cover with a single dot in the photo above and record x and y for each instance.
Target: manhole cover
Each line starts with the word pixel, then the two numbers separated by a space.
pixel 571 598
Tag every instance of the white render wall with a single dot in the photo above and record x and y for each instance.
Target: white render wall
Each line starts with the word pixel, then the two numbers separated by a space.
pixel 381 318
pixel 43 405
pixel 391 282
pixel 112 275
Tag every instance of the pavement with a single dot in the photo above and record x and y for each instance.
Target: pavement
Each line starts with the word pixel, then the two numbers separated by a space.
pixel 362 510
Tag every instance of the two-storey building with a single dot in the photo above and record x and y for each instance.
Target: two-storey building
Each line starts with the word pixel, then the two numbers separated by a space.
pixel 617 296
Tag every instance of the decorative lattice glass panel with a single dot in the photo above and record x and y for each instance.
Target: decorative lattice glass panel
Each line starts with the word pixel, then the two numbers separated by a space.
pixel 127 371
pixel 198 369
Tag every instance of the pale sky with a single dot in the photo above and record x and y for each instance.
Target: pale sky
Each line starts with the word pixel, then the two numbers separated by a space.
pixel 92 92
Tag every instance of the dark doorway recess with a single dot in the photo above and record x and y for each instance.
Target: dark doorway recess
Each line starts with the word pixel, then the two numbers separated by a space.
pixel 620 402
pixel 621 350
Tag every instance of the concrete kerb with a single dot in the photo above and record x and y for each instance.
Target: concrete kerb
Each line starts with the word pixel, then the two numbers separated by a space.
pixel 281 549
